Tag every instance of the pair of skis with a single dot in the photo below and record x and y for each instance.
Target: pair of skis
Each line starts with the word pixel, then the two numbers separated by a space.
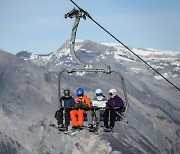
pixel 62 130
pixel 70 132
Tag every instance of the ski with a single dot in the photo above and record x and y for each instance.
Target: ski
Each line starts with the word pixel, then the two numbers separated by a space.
pixel 71 133
pixel 59 129
pixel 65 132
pixel 74 132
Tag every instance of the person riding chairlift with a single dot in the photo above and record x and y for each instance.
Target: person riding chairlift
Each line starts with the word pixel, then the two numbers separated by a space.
pixel 100 102
pixel 114 102
pixel 77 115
pixel 66 103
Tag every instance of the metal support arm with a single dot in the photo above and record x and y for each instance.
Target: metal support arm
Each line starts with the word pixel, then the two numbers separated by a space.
pixel 78 14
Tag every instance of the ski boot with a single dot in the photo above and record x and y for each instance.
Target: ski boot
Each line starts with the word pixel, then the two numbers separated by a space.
pixel 107 129
pixel 91 128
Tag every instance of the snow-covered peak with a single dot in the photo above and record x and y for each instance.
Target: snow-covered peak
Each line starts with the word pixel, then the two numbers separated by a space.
pixel 149 52
pixel 167 62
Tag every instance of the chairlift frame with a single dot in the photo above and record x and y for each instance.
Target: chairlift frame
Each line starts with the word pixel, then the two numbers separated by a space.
pixel 86 67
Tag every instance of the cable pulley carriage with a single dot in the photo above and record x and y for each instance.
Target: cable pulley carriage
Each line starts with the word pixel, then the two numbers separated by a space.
pixel 86 67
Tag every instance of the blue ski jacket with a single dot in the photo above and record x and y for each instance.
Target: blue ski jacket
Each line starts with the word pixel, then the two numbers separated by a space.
pixel 67 102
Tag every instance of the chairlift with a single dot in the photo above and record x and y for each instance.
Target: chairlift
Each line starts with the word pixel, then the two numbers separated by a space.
pixel 86 67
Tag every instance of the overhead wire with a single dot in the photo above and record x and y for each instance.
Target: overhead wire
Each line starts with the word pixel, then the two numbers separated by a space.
pixel 87 14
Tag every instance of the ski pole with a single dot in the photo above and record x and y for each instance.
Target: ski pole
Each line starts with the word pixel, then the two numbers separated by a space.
pixel 121 117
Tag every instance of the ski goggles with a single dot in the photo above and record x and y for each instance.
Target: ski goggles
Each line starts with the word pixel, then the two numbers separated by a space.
pixel 110 94
pixel 81 95
pixel 98 94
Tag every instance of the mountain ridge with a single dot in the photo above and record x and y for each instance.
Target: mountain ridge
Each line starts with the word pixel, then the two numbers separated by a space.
pixel 165 60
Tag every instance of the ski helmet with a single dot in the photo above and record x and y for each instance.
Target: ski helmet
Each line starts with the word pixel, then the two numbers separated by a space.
pixel 79 91
pixel 113 92
pixel 66 92
pixel 98 92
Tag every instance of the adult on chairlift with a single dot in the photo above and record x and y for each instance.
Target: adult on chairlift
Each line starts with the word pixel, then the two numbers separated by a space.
pixel 66 103
pixel 99 102
pixel 77 115
pixel 114 102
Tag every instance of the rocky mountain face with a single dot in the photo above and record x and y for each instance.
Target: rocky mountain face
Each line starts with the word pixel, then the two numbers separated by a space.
pixel 29 99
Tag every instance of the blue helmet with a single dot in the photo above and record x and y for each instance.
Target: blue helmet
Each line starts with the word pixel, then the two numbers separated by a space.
pixel 79 91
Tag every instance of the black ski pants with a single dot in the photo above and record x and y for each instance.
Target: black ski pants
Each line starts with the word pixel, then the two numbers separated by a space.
pixel 112 118
pixel 112 113
pixel 67 116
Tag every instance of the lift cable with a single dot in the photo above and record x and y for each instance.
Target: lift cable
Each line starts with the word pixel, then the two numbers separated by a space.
pixel 87 14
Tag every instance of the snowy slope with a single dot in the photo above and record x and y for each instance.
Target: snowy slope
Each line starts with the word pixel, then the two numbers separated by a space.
pixel 28 99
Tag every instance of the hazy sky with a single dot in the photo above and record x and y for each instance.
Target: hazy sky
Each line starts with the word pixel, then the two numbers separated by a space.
pixel 39 25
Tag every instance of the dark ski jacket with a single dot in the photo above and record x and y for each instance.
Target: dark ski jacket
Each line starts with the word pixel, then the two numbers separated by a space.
pixel 67 102
pixel 115 102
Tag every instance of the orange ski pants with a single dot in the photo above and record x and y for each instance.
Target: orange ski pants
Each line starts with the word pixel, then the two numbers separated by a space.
pixel 77 117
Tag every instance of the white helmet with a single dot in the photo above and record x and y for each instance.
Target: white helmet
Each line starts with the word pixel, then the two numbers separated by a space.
pixel 113 91
pixel 98 91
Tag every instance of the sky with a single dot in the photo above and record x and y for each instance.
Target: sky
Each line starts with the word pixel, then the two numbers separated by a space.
pixel 39 26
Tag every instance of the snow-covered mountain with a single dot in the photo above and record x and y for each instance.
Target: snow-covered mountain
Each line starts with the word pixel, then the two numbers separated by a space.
pixel 166 62
pixel 29 99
